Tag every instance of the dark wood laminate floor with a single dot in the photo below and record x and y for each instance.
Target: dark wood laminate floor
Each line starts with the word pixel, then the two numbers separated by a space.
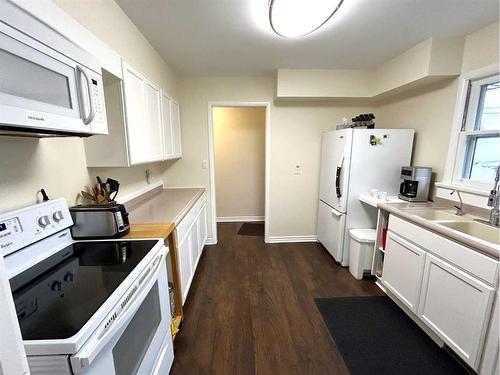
pixel 251 309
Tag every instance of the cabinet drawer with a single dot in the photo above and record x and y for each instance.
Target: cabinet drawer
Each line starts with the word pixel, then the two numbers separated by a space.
pixel 479 265
pixel 189 219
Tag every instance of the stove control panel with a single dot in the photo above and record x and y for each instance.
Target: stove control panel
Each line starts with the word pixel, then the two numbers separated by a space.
pixel 25 226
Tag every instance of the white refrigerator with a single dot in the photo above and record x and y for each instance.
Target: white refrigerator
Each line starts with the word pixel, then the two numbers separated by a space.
pixel 354 161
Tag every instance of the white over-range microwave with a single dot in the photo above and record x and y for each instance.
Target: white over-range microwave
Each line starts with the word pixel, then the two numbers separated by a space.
pixel 48 85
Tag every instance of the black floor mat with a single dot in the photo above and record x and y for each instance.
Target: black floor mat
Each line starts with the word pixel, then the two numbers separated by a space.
pixel 252 229
pixel 375 336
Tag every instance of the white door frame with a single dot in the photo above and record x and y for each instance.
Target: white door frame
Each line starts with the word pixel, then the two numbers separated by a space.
pixel 211 154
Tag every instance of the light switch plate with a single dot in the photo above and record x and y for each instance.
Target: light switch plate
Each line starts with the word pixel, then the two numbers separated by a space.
pixel 204 164
pixel 297 170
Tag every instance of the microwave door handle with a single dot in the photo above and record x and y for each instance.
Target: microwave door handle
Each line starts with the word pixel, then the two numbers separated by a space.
pixel 94 345
pixel 87 119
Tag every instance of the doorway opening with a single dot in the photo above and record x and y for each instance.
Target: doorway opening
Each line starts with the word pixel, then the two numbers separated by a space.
pixel 239 165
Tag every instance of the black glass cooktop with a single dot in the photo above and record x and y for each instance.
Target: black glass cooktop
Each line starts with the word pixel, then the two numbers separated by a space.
pixel 56 297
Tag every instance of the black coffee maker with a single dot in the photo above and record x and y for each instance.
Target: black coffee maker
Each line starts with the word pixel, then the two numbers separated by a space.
pixel 416 184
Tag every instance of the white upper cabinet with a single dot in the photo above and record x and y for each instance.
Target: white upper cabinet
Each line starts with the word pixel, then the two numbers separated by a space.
pixel 135 105
pixel 143 123
pixel 142 108
pixel 171 128
pixel 152 125
pixel 175 119
pixel 168 147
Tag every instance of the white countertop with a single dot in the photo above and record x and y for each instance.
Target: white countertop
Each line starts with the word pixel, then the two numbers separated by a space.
pixel 168 205
pixel 374 201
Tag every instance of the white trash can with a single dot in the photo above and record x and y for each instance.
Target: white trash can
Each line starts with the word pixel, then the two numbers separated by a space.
pixel 361 251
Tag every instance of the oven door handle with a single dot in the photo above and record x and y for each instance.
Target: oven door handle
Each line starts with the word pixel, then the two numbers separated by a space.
pixel 131 304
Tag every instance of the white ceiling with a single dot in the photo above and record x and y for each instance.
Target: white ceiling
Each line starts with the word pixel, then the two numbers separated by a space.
pixel 232 37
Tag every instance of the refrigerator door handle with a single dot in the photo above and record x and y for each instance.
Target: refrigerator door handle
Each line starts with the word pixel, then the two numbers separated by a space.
pixel 336 213
pixel 337 177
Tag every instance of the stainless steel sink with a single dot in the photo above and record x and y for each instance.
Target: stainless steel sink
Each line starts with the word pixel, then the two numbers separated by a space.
pixel 473 228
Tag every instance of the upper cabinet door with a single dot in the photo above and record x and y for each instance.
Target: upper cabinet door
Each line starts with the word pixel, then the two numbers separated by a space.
pixel 168 147
pixel 134 84
pixel 143 117
pixel 152 127
pixel 176 129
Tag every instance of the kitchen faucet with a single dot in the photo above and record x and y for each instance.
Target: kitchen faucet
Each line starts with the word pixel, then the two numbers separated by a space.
pixel 460 207
pixel 493 200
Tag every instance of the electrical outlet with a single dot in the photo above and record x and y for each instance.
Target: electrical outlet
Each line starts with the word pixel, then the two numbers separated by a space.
pixel 204 164
pixel 149 176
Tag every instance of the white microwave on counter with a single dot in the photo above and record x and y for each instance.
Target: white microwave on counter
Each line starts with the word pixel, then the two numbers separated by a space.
pixel 48 85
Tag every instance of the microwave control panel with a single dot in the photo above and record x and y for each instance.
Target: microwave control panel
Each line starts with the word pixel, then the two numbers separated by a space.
pixel 25 226
pixel 97 92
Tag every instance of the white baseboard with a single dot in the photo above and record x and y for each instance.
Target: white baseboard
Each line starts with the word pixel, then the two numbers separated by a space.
pixel 283 239
pixel 235 219
pixel 210 241
pixel 277 239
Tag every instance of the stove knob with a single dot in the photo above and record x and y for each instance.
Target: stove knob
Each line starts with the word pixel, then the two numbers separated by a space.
pixel 43 221
pixel 68 277
pixel 57 216
pixel 56 286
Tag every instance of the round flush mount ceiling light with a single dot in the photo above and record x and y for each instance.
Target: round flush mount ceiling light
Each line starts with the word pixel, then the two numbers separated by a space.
pixel 296 18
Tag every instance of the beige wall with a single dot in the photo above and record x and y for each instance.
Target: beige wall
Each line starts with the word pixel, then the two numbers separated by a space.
pixel 28 164
pixel 58 165
pixel 429 61
pixel 430 110
pixel 481 48
pixel 295 139
pixel 239 137
pixel 109 23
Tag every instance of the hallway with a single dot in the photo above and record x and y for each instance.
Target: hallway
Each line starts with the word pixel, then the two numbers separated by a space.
pixel 251 309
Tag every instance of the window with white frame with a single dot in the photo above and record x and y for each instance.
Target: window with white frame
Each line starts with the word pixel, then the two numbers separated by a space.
pixel 479 141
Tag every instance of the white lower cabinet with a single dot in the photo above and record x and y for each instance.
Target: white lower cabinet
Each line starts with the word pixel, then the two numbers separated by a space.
pixel 203 226
pixel 448 287
pixel 191 237
pixel 456 306
pixel 184 248
pixel 403 270
pixel 195 244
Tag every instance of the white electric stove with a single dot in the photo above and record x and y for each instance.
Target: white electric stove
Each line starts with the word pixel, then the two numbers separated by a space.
pixel 86 307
